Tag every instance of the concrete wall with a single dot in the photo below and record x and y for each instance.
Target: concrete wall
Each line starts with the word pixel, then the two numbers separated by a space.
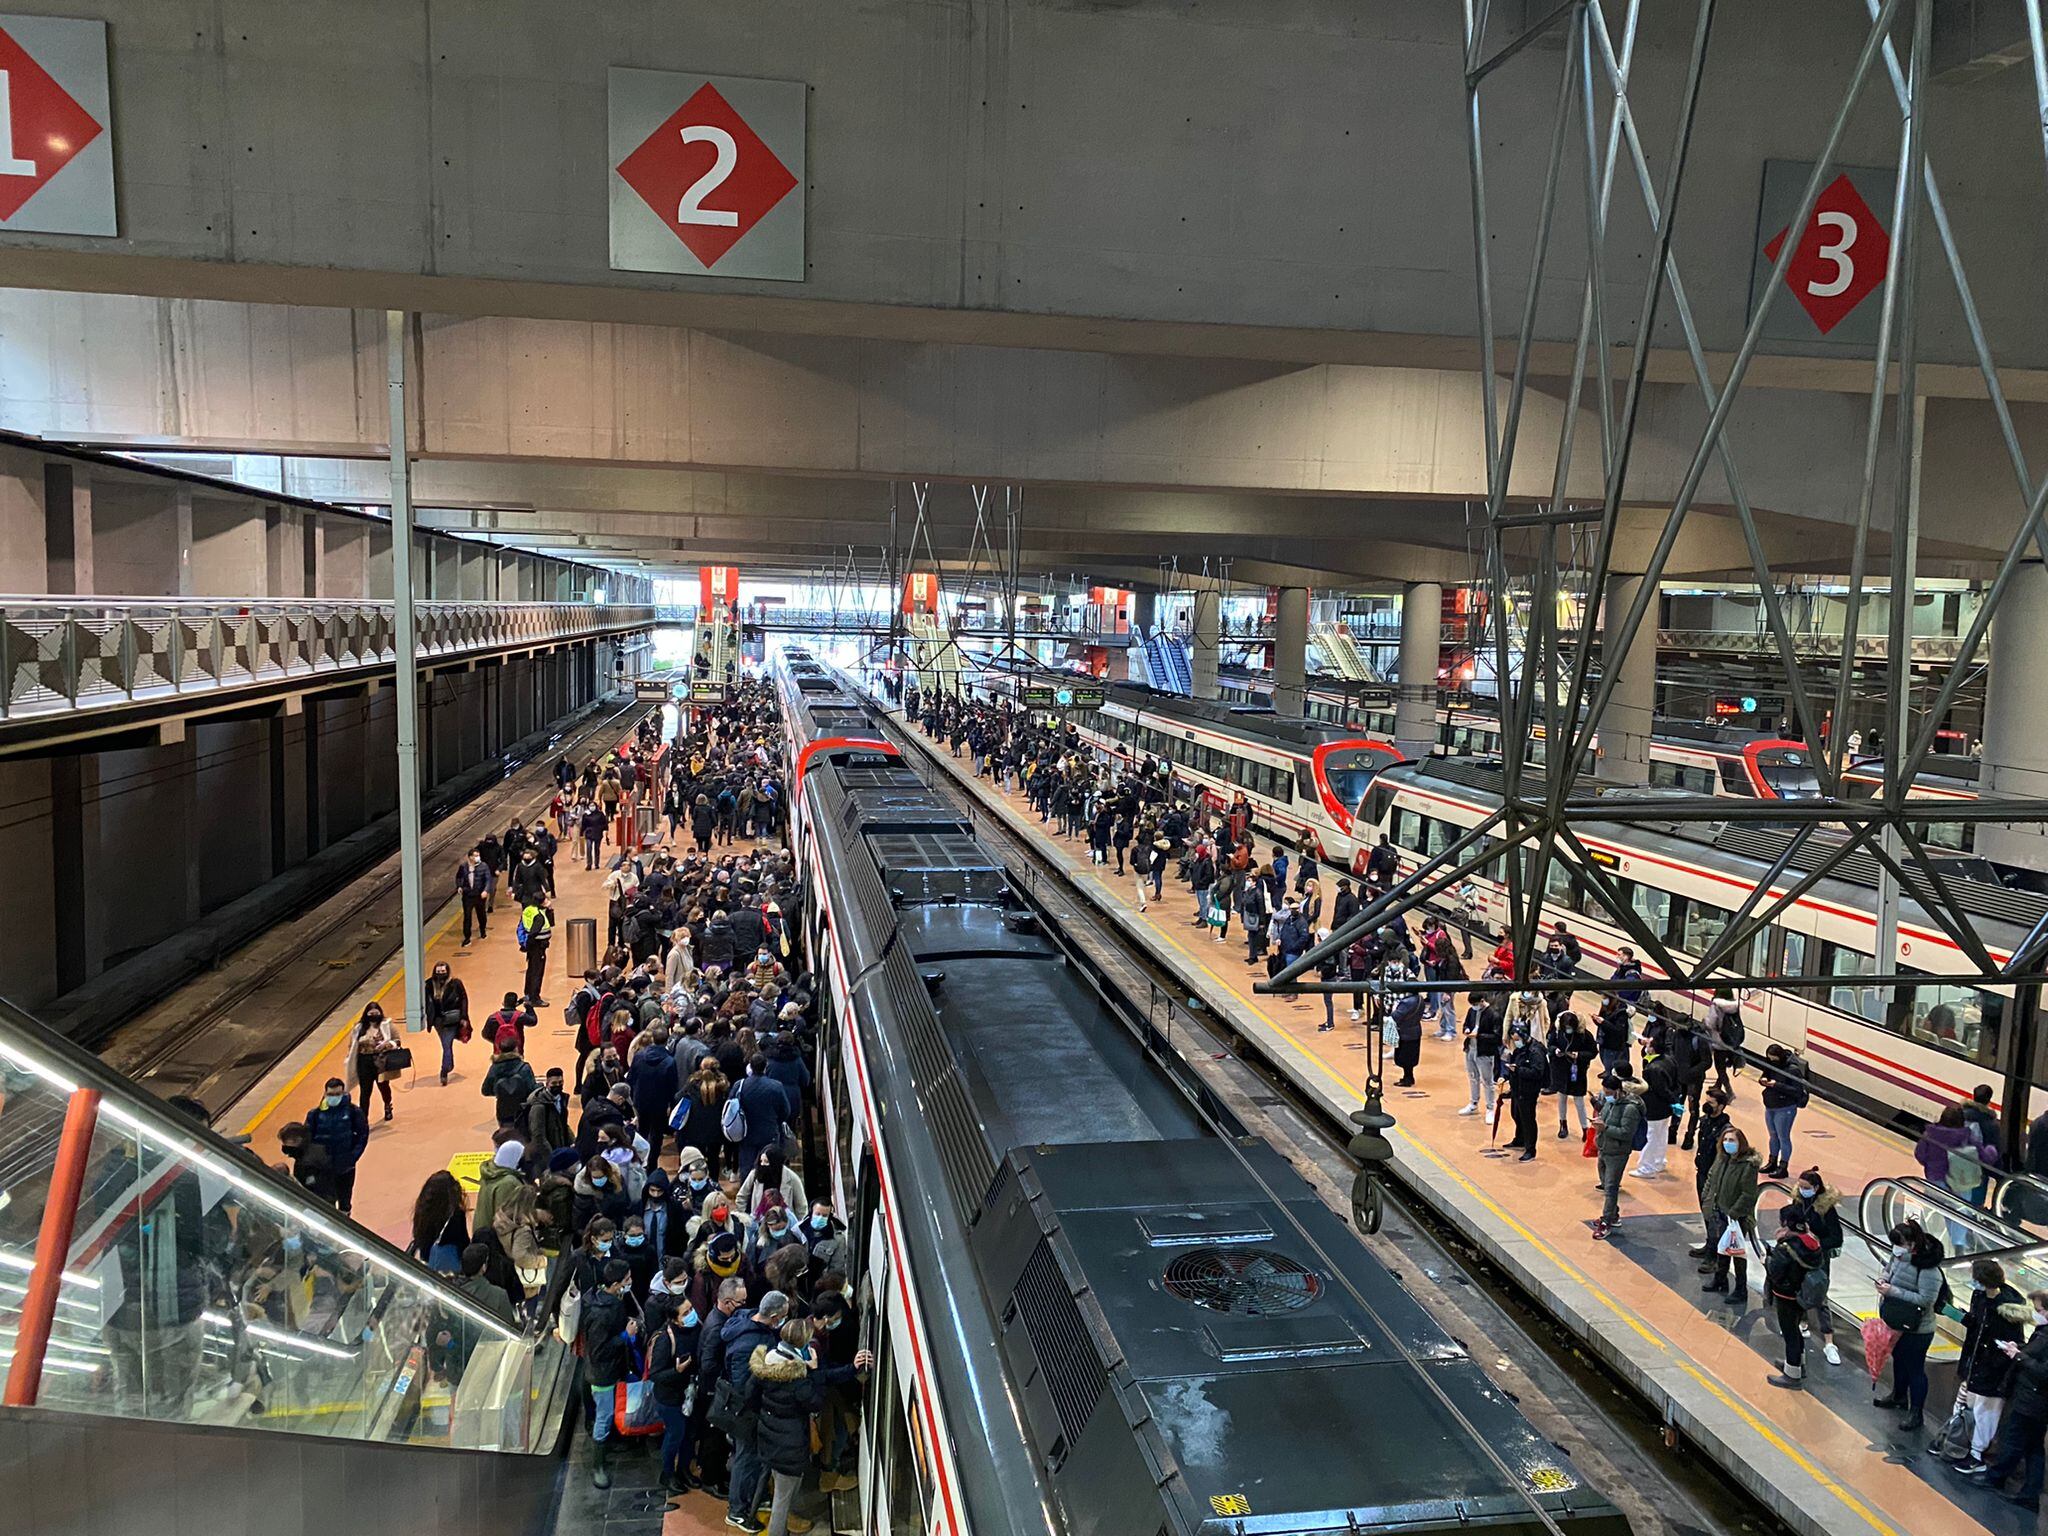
pixel 149 839
pixel 1219 164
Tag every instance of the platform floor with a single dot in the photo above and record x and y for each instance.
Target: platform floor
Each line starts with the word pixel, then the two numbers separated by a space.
pixel 1825 1457
pixel 432 1125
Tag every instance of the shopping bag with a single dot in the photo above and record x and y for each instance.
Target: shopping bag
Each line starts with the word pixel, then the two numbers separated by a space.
pixel 633 1409
pixel 1592 1146
pixel 1733 1242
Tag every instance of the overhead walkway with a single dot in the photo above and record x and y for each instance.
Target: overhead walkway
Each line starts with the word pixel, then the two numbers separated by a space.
pixel 192 1343
pixel 71 667
pixel 1824 1459
pixel 1341 655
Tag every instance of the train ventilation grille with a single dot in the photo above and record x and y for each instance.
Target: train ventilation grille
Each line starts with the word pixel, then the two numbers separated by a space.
pixel 1244 1282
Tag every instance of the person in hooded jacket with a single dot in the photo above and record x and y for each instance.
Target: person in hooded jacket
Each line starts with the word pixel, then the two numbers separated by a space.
pixel 597 1114
pixel 743 1334
pixel 1406 1012
pixel 788 1386
pixel 716 945
pixel 1911 1284
pixel 2024 1423
pixel 652 1079
pixel 1730 1201
pixel 1795 1283
pixel 671 1368
pixel 1620 1117
pixel 547 1119
pixel 1998 1314
pixel 786 1063
pixel 602 1189
pixel 1814 1209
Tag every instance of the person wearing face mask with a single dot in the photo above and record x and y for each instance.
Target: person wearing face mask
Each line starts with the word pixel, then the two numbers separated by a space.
pixel 825 1235
pixel 1814 1209
pixel 601 1191
pixel 640 1256
pixel 1729 1205
pixel 1795 1283
pixel 1997 1315
pixel 1619 1119
pixel 2024 1424
pixel 772 1229
pixel 342 1130
pixel 608 1331
pixel 1907 1298
pixel 693 1184
pixel 770 1177
pixel 447 1009
pixel 373 1039
pixel 671 1368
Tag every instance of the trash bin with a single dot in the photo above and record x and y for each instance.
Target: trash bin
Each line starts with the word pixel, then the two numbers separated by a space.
pixel 582 945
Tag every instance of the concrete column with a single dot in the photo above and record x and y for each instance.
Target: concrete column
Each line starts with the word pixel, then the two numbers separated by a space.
pixel 141 538
pixel 75 865
pixel 1625 727
pixel 1203 638
pixel 1422 617
pixel 1290 652
pixel 280 570
pixel 2015 725
pixel 67 528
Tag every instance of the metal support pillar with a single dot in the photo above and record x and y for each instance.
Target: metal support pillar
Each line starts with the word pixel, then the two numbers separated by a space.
pixel 1204 640
pixel 2015 725
pixel 406 673
pixel 53 1248
pixel 1422 619
pixel 1625 729
pixel 1290 651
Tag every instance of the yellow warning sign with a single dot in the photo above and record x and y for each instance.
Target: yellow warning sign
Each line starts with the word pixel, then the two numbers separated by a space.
pixel 468 1168
pixel 1230 1504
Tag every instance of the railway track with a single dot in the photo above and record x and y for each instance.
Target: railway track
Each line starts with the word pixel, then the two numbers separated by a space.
pixel 216 1037
pixel 1611 1436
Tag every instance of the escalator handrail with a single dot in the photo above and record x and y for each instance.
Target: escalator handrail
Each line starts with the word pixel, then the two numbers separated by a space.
pixel 200 1144
pixel 1953 1207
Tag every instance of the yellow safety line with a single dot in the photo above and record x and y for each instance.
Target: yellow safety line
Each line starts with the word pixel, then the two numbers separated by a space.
pixel 1761 1426
pixel 335 1039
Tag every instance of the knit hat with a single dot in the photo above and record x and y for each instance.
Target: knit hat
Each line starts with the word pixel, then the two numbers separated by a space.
pixel 563 1160
pixel 722 1254
pixel 509 1154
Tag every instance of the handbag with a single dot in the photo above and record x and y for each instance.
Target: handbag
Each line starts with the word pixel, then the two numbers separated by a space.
pixel 394 1059
pixel 569 1317
pixel 1899 1313
pixel 727 1405
pixel 633 1410
pixel 1592 1146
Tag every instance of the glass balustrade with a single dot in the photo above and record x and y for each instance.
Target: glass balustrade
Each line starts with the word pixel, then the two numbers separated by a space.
pixel 149 1268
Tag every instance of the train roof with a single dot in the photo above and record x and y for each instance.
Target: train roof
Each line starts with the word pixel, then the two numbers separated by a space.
pixel 1194 1327
pixel 1748 850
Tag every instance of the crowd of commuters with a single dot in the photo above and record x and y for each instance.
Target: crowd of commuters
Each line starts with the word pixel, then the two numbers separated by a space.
pixel 1631 1084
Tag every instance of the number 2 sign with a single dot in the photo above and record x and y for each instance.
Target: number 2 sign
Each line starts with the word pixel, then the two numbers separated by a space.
pixel 707 175
pixel 1838 261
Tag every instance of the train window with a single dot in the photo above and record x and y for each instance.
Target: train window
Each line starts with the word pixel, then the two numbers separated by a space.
pixel 1735 777
pixel 1965 1021
pixel 1792 952
pixel 1437 835
pixel 1953 835
pixel 1377 799
pixel 1699 780
pixel 1663 773
pixel 1302 788
pixel 1561 886
pixel 1407 828
pixel 1836 961
pixel 1704 923
pixel 1653 906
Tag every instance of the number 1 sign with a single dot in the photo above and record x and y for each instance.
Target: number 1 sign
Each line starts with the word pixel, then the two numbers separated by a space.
pixel 1838 261
pixel 707 175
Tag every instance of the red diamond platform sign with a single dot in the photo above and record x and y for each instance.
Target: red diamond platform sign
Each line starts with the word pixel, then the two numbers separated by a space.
pixel 42 126
pixel 708 175
pixel 1840 259
pixel 56 154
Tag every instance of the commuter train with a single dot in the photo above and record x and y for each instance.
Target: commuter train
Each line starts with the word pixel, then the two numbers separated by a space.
pixel 1916 1049
pixel 1097 1304
pixel 1707 759
pixel 1297 775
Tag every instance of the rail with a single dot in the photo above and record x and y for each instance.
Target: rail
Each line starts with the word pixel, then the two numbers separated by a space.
pixel 70 654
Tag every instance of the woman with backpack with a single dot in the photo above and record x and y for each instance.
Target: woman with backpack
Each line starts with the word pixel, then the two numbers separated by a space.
pixel 1907 1298
pixel 695 1117
pixel 440 1223
pixel 1795 1282
pixel 1814 1209
pixel 1998 1314
pixel 1726 1029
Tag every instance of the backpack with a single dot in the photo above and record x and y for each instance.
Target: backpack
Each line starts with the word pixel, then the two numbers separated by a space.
pixel 1733 1031
pixel 732 1120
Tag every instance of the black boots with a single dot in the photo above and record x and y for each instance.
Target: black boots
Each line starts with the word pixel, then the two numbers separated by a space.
pixel 600 1473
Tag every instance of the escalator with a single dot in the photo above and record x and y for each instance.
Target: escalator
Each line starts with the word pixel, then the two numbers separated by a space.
pixel 168 1302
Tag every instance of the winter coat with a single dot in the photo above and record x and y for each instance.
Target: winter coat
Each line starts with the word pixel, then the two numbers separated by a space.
pixel 1797 1270
pixel 787 1066
pixel 547 1124
pixel 1732 1186
pixel 1571 1053
pixel 1913 1284
pixel 1819 1216
pixel 716 948
pixel 2028 1397
pixel 343 1131
pixel 607 1353
pixel 1994 1317
pixel 782 1399
pixel 493 1184
pixel 617 1200
pixel 672 1361
pixel 1620 1118
pixel 509 1080
pixel 653 1080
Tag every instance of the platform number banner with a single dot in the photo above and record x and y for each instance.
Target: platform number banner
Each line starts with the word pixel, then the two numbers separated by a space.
pixel 1838 262
pixel 707 174
pixel 56 127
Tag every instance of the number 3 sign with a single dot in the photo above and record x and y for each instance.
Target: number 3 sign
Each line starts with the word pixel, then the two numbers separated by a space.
pixel 707 175
pixel 1838 262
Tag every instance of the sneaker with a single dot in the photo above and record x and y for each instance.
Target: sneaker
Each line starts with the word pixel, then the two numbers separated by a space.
pixel 1829 1353
pixel 743 1523
pixel 1355 1015
pixel 1600 1231
pixel 1973 1470
pixel 1469 1109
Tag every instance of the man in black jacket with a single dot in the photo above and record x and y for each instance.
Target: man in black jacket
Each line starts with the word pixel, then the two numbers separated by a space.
pixel 609 1326
pixel 337 1124
pixel 742 1333
pixel 714 1449
pixel 2025 1424
pixel 1528 1070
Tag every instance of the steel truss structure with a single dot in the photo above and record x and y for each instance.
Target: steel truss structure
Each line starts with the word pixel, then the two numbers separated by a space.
pixel 1545 805
pixel 983 572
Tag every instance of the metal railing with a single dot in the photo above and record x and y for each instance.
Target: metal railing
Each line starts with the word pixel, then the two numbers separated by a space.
pixel 63 654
